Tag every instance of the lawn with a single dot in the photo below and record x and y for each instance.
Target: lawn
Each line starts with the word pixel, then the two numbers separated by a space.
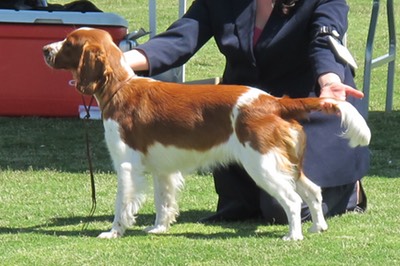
pixel 45 188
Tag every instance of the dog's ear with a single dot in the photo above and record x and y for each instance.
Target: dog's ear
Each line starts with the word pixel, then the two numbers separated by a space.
pixel 92 70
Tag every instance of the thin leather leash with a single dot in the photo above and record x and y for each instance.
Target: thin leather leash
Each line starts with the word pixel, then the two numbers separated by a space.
pixel 89 157
pixel 88 154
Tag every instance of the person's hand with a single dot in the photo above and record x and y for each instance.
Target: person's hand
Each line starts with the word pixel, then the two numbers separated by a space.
pixel 137 60
pixel 332 87
pixel 339 91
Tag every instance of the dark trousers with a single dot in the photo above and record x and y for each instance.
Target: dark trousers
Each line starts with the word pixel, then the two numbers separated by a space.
pixel 241 199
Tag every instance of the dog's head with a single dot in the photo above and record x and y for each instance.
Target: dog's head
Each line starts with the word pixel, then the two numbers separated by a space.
pixel 91 56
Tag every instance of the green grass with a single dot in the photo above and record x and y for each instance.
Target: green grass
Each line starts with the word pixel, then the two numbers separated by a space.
pixel 45 189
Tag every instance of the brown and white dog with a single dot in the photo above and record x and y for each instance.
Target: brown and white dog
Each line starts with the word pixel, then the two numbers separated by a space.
pixel 165 128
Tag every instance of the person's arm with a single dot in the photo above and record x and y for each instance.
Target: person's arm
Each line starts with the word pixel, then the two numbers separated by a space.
pixel 137 60
pixel 176 45
pixel 329 69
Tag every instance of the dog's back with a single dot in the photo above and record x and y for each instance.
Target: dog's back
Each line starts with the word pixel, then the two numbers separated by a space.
pixel 200 118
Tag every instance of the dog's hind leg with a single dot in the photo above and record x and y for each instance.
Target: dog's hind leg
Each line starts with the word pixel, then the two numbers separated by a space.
pixel 265 172
pixel 311 194
pixel 130 196
pixel 166 188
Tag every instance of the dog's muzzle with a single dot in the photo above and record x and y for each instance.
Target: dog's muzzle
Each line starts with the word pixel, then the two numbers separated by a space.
pixel 50 51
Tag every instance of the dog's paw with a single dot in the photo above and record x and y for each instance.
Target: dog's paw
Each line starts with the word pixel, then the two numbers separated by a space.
pixel 318 228
pixel 156 229
pixel 293 237
pixel 109 235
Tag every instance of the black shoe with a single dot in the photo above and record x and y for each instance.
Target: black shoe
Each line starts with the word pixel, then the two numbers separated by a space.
pixel 232 212
pixel 215 218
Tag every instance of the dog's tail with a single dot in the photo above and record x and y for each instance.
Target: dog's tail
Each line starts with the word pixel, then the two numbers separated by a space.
pixel 355 127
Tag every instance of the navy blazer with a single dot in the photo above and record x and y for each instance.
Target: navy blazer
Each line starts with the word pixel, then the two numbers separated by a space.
pixel 287 60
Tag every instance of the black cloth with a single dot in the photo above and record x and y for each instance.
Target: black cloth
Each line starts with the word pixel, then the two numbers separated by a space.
pixel 288 58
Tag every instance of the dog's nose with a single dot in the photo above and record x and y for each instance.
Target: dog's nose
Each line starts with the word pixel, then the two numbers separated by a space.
pixel 46 50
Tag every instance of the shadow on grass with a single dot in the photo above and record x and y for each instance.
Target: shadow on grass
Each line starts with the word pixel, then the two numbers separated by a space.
pixel 385 143
pixel 241 229
pixel 52 143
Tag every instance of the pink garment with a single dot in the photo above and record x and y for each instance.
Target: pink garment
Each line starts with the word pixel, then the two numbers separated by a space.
pixel 256 35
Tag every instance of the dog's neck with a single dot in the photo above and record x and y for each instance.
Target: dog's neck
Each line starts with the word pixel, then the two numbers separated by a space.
pixel 109 91
pixel 120 74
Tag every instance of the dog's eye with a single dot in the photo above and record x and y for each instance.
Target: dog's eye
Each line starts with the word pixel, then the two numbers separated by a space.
pixel 67 44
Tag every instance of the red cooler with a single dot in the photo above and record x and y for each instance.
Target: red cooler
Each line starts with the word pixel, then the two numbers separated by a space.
pixel 28 86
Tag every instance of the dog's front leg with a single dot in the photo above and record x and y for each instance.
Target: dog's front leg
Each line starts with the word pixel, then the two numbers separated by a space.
pixel 166 188
pixel 130 196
